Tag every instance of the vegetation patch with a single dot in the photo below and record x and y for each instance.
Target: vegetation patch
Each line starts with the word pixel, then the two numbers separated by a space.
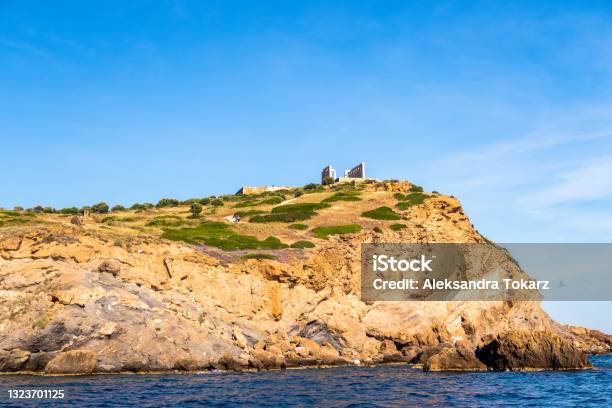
pixel 168 202
pixel 114 219
pixel 259 256
pixel 416 189
pixel 219 234
pixel 325 232
pixel 313 188
pixel 290 213
pixel 397 227
pixel 249 213
pixel 409 200
pixel 141 206
pixel 8 218
pixel 302 244
pixel 300 227
pixel 343 196
pixel 166 221
pixel 9 213
pixel 268 201
pixel 352 186
pixel 382 213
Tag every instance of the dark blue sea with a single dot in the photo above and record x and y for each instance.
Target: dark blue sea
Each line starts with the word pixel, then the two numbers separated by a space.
pixel 383 386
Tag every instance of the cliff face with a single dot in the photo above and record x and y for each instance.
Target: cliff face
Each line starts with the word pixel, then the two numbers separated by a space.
pixel 113 296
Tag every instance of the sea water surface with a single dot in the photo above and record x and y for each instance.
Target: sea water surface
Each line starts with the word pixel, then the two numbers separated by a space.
pixel 383 386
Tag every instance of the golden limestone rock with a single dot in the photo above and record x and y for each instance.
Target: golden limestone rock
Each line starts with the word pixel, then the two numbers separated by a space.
pixel 159 291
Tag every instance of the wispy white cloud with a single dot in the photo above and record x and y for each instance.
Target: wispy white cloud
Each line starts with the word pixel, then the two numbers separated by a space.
pixel 547 186
pixel 23 47
pixel 591 180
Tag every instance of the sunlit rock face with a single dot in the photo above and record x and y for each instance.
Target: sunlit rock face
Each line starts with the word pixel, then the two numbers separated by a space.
pixel 114 296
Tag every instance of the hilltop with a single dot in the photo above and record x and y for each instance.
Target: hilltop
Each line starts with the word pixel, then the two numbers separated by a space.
pixel 180 286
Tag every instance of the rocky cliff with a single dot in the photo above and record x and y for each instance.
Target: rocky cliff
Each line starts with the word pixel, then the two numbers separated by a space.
pixel 112 294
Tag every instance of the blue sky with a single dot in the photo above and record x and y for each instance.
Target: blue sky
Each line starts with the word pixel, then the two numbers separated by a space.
pixel 506 106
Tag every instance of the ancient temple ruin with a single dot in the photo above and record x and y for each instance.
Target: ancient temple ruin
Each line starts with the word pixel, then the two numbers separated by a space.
pixel 328 171
pixel 357 173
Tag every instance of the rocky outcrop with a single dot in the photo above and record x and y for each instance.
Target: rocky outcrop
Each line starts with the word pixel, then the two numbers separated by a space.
pixel 72 362
pixel 530 351
pixel 83 299
pixel 13 360
pixel 590 341
pixel 454 359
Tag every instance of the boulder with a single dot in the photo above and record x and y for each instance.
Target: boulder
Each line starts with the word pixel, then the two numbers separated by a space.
pixel 73 362
pixel 107 329
pixel 454 359
pixel 239 338
pixel 390 353
pixel 531 351
pixel 111 266
pixel 230 361
pixel 268 359
pixel 13 360
pixel 38 361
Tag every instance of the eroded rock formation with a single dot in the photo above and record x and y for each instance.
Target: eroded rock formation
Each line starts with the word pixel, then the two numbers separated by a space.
pixel 75 299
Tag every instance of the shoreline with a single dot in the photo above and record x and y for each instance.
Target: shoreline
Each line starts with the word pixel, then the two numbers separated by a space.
pixel 305 367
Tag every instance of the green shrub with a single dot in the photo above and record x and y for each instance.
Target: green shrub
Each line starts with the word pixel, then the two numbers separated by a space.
pixel 343 196
pixel 116 220
pixel 300 227
pixel 117 207
pixel 232 197
pixel 381 213
pixel 377 229
pixel 397 227
pixel 290 213
pixel 168 202
pixel 18 208
pixel 259 256
pixel 268 201
pixel 100 208
pixel 196 209
pixel 190 201
pixel 273 200
pixel 70 211
pixel 327 181
pixel 325 232
pixel 312 186
pixel 302 244
pixel 416 189
pixel 219 234
pixel 9 213
pixel 216 202
pixel 407 201
pixel 298 193
pixel 141 207
pixel 249 213
pixel 280 217
pixel 49 210
pixel 352 186
pixel 249 203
